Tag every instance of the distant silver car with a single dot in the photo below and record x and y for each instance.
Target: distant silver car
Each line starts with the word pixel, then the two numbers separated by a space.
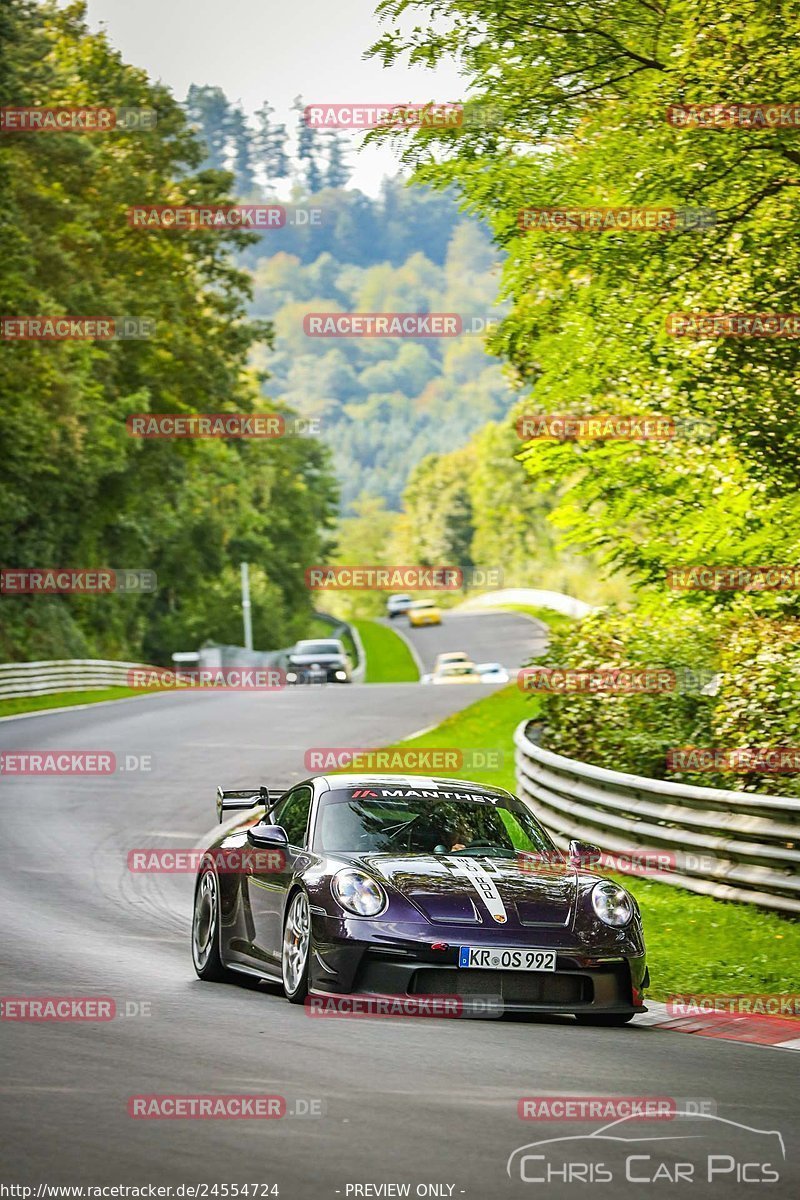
pixel 398 604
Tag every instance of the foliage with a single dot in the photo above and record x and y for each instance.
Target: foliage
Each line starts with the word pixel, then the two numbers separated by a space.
pixel 77 490
pixel 384 403
pixel 737 688
pixel 581 94
pixel 632 731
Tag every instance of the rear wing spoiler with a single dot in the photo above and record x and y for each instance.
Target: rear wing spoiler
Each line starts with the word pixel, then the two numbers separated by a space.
pixel 227 800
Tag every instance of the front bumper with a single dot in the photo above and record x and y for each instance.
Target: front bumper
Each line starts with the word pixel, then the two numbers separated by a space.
pixel 314 677
pixel 584 981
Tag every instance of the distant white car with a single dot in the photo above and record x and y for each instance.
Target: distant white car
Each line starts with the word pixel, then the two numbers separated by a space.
pixel 492 673
pixel 398 604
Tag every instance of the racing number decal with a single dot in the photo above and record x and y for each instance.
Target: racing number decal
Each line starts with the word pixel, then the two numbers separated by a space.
pixel 484 885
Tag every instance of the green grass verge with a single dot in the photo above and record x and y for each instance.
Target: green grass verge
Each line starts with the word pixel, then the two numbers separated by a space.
pixel 694 944
pixel 23 704
pixel 389 659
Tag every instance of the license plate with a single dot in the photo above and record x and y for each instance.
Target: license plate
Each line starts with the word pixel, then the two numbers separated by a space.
pixel 506 959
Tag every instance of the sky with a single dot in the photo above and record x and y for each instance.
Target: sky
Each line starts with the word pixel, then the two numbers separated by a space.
pixel 258 50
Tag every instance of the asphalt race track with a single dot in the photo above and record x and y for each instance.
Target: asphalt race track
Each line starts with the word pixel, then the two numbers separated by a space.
pixel 398 1101
pixel 507 637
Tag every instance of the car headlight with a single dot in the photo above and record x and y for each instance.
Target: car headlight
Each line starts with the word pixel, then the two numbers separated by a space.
pixel 341 674
pixel 611 903
pixel 359 893
pixel 290 676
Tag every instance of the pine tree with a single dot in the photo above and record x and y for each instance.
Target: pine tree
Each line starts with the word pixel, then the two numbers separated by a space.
pixel 209 110
pixel 337 172
pixel 307 151
pixel 242 152
pixel 269 146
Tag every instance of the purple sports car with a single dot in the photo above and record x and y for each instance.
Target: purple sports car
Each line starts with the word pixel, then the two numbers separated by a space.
pixel 409 886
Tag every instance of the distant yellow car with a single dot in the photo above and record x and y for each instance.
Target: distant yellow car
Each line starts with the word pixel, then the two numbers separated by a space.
pixel 424 612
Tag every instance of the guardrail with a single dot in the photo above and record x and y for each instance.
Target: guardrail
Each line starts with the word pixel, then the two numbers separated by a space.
pixel 730 845
pixel 61 675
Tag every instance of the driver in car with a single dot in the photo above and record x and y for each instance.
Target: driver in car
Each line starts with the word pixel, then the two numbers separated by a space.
pixel 454 840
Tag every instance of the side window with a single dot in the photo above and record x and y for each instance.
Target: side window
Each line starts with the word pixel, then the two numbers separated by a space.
pixel 292 814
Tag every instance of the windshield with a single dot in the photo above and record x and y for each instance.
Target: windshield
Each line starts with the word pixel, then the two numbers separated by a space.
pixel 457 670
pixel 398 820
pixel 317 648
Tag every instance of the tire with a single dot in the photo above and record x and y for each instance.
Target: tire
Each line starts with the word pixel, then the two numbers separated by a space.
pixel 206 930
pixel 296 949
pixel 607 1019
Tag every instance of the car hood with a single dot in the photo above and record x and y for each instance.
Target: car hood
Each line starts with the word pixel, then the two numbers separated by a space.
pixel 498 892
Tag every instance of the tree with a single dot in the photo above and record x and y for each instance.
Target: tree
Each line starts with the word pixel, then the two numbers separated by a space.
pixel 242 164
pixel 581 93
pixel 77 490
pixel 307 151
pixel 209 111
pixel 337 171
pixel 269 146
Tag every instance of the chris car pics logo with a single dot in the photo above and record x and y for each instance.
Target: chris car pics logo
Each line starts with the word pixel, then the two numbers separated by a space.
pixel 698 1148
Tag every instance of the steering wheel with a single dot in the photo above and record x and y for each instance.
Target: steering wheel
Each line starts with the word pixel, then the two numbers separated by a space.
pixel 476 844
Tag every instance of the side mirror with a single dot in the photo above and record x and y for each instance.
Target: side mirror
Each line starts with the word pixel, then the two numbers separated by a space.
pixel 584 854
pixel 267 835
